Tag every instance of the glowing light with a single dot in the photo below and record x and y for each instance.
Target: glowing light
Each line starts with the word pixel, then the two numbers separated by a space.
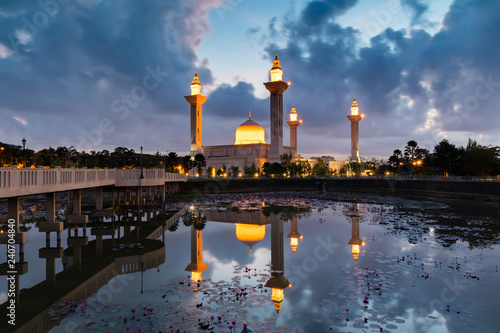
pixel 196 276
pixel 293 117
pixel 355 251
pixel 277 297
pixel 294 241
pixel 256 175
pixel 196 85
pixel 276 72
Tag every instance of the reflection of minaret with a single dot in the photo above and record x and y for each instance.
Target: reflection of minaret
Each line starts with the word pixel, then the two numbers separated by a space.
pixel 355 117
pixel 196 266
pixel 355 240
pixel 277 282
pixel 196 100
pixel 294 234
pixel 276 87
pixel 293 123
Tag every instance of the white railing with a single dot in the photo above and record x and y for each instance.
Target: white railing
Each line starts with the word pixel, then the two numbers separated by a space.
pixel 26 181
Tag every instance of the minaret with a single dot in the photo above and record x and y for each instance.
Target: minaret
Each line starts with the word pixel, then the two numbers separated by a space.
pixel 276 87
pixel 278 282
pixel 293 123
pixel 196 100
pixel 355 118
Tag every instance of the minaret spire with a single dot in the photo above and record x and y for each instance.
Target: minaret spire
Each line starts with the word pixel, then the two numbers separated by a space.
pixel 294 122
pixel 276 87
pixel 249 114
pixel 196 100
pixel 355 117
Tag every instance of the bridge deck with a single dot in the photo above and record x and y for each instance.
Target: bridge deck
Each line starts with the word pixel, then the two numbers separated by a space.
pixel 20 182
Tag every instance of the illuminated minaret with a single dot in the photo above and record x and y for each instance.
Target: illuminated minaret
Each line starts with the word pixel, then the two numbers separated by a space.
pixel 196 100
pixel 355 117
pixel 276 87
pixel 293 123
pixel 278 282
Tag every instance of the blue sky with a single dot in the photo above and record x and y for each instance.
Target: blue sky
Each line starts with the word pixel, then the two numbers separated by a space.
pixel 102 74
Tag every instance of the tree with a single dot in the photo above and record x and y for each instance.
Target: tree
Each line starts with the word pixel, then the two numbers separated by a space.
pixel 480 160
pixel 251 170
pixel 200 163
pixel 210 172
pixel 303 168
pixel 395 160
pixel 235 171
pixel 320 168
pixel 287 164
pixel 446 156
pixel 410 150
pixel 222 170
pixel 171 162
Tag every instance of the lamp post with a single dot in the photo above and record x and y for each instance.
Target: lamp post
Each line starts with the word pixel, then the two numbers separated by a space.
pixel 24 152
pixel 142 175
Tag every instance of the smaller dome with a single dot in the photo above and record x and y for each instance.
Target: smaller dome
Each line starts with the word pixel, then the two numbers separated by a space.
pixel 249 132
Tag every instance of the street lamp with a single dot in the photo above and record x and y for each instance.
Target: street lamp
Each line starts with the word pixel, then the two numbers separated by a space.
pixel 142 175
pixel 24 152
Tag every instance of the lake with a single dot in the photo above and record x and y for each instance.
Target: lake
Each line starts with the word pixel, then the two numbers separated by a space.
pixel 303 262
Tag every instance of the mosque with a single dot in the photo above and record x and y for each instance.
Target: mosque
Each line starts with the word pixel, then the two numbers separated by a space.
pixel 250 147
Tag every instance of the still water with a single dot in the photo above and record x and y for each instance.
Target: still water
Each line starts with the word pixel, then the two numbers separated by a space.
pixel 299 262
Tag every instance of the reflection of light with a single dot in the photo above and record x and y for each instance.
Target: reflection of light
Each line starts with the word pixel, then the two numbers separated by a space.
pixel 355 251
pixel 277 297
pixel 196 276
pixel 294 242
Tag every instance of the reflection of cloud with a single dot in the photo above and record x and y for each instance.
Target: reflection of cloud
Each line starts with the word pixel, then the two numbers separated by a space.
pixel 224 269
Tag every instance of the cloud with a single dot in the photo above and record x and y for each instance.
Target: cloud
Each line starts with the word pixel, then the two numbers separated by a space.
pixel 89 54
pixel 20 120
pixel 398 78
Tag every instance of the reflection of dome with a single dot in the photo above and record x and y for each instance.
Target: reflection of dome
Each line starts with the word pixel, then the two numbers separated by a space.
pixel 250 132
pixel 250 234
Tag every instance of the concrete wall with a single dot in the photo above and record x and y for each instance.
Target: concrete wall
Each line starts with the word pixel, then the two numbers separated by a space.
pixel 385 186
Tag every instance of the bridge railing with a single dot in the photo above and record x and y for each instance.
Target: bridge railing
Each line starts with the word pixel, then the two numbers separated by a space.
pixel 27 181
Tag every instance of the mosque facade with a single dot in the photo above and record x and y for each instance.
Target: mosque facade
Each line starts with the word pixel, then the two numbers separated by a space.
pixel 250 147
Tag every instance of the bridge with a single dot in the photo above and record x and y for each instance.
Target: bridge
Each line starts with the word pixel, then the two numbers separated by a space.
pixel 20 182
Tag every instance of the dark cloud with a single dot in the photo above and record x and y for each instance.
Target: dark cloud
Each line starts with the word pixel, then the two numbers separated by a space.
pixel 90 60
pixel 400 77
pixel 122 61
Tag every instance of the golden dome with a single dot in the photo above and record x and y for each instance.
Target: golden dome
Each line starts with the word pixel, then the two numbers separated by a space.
pixel 249 132
pixel 250 234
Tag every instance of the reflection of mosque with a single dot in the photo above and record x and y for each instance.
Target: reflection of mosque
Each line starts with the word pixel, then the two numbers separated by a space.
pixel 250 229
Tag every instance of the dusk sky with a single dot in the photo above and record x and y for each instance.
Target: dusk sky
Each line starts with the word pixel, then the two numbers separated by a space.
pixel 102 74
